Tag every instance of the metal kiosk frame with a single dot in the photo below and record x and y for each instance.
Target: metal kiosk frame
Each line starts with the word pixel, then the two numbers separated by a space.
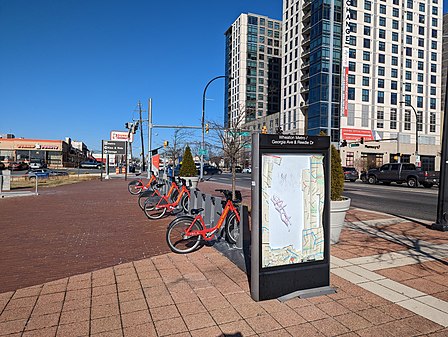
pixel 303 278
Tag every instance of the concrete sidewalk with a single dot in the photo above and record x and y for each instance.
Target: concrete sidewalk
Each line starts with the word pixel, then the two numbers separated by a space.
pixel 390 274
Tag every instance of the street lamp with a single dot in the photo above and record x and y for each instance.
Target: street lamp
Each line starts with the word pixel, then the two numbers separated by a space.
pixel 416 126
pixel 203 125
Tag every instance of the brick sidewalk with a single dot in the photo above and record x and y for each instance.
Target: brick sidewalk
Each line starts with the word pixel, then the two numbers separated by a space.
pixel 390 275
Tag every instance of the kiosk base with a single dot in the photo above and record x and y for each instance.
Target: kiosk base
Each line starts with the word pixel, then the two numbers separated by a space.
pixel 307 293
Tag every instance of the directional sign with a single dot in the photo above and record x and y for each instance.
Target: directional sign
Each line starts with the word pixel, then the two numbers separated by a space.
pixel 114 147
pixel 203 152
pixel 353 145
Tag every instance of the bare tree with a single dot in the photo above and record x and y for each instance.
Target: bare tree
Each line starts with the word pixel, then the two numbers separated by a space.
pixel 233 141
pixel 177 144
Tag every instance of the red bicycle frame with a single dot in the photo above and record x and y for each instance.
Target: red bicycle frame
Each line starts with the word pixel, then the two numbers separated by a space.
pixel 148 185
pixel 207 233
pixel 171 205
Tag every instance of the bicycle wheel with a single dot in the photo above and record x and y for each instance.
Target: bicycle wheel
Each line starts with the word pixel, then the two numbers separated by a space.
pixel 176 239
pixel 135 187
pixel 145 196
pixel 232 228
pixel 184 203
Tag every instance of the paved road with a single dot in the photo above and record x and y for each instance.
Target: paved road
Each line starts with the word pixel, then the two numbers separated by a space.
pixel 416 203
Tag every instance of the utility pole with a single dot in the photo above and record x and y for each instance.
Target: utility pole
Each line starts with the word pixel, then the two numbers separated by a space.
pixel 149 137
pixel 141 135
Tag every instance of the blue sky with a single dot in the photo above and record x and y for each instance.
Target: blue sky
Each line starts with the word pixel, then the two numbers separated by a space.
pixel 77 68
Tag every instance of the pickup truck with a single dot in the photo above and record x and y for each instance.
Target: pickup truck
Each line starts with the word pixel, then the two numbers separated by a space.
pixel 402 173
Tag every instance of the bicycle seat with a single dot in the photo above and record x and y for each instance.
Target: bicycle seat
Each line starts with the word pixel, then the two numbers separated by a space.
pixel 195 211
pixel 160 185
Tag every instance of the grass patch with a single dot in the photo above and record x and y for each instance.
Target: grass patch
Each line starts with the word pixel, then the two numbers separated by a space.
pixel 52 181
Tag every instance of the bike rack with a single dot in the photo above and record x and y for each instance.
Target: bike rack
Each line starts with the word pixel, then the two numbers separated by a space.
pixel 212 205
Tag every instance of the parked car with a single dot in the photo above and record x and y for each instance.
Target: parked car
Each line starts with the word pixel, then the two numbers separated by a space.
pixel 45 173
pixel 37 164
pixel 238 169
pixel 350 173
pixel 403 173
pixel 247 170
pixel 91 164
pixel 209 169
pixel 18 166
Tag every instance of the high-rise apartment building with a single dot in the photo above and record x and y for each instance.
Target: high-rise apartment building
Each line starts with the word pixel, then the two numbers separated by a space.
pixel 253 62
pixel 312 37
pixel 392 92
pixel 389 53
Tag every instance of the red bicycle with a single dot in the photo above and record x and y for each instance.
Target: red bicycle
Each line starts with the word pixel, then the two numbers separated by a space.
pixel 137 186
pixel 155 209
pixel 157 190
pixel 188 233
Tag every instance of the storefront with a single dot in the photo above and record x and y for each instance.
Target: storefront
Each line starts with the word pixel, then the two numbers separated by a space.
pixel 55 153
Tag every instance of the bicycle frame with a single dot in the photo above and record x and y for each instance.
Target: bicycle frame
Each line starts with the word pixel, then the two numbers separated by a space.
pixel 148 185
pixel 207 233
pixel 171 205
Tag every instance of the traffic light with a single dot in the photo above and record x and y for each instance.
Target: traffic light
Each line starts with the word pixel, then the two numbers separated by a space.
pixel 165 143
pixel 343 143
pixel 126 125
pixel 207 128
pixel 362 140
pixel 135 127
pixel 264 129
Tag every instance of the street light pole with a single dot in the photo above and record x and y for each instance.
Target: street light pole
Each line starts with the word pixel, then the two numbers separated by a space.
pixel 203 124
pixel 416 126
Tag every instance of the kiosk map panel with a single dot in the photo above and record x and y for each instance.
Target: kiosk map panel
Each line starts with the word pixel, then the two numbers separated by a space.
pixel 293 195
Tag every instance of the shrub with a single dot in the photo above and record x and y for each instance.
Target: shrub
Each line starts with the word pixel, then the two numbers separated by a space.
pixel 337 175
pixel 188 168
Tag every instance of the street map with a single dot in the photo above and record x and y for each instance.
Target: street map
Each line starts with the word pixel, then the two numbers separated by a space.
pixel 293 194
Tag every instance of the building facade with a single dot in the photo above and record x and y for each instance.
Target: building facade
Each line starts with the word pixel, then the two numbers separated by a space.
pixel 253 66
pixel 383 60
pixel 312 37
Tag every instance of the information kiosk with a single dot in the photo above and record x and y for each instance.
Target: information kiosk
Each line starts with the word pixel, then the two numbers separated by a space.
pixel 290 232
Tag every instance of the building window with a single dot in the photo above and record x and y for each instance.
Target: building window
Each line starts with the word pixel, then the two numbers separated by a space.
pixel 420 65
pixel 351 93
pixel 408 39
pixel 421 30
pixel 420 89
pixel 380 83
pixel 382 34
pixel 395 36
pixel 394 73
pixel 367 5
pixel 409 27
pixel 380 96
pixel 393 98
pixel 366 43
pixel 393 118
pixel 394 49
pixel 393 85
pixel 432 122
pixel 351 79
pixel 433 56
pixel 352 53
pixel 421 19
pixel 380 119
pixel 394 24
pixel 383 9
pixel 419 102
pixel 350 159
pixel 410 4
pixel 432 103
pixel 420 77
pixel 382 46
pixel 421 42
pixel 382 21
pixel 408 63
pixel 380 71
pixel 367 18
pixel 433 67
pixel 366 30
pixel 407 87
pixel 394 60
pixel 365 95
pixel 407 120
pixel 352 40
pixel 366 68
pixel 408 75
pixel 366 56
pixel 432 91
pixel 352 66
pixel 365 81
pixel 395 12
pixel 433 79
